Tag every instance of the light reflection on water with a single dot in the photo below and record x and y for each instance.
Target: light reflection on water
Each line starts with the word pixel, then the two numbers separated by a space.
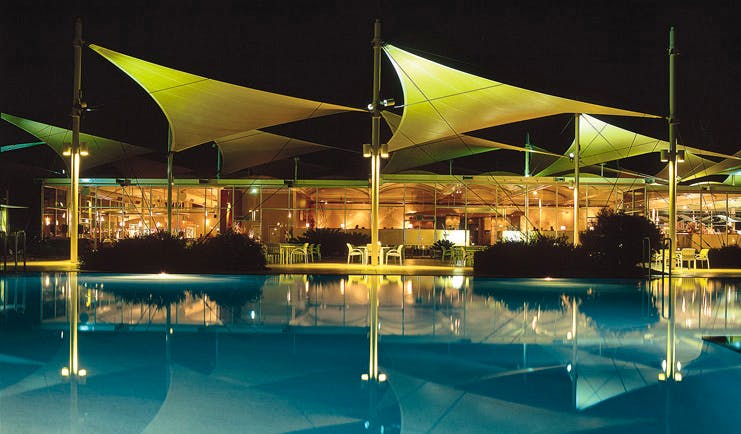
pixel 555 345
pixel 479 309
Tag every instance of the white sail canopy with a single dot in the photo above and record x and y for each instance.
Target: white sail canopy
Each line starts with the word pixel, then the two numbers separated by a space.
pixel 255 147
pixel 727 166
pixel 201 110
pixel 101 150
pixel 440 102
pixel 601 142
pixel 444 149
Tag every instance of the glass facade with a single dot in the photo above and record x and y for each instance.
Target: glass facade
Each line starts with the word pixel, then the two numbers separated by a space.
pixel 414 210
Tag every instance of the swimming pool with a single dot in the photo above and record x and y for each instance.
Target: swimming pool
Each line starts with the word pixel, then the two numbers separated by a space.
pixel 171 353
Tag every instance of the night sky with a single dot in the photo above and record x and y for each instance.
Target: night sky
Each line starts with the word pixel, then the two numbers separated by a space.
pixel 610 53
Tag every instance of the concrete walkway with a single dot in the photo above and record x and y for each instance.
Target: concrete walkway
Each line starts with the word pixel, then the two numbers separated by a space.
pixel 411 267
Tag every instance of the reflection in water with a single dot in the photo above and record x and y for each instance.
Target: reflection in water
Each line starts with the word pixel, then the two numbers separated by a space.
pixel 482 310
pixel 602 338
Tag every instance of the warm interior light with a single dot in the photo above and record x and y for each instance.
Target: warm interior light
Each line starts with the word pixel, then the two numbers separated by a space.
pixel 84 151
pixel 680 156
pixel 366 150
pixel 65 372
pixel 67 150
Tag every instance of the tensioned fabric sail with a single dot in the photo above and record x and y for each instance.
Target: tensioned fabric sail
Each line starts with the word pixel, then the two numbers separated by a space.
pixel 255 147
pixel 443 149
pixel 201 110
pixel 602 142
pixel 726 166
pixel 691 165
pixel 102 150
pixel 440 101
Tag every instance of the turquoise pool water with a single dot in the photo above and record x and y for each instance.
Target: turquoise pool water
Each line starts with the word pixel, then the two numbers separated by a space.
pixel 285 353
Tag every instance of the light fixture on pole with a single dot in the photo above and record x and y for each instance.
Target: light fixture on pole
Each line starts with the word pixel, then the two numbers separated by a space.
pixel 665 156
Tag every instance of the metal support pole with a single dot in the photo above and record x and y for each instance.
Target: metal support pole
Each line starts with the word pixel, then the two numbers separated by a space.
pixel 375 140
pixel 672 145
pixel 373 325
pixel 219 162
pixel 74 203
pixel 170 182
pixel 577 156
pixel 73 318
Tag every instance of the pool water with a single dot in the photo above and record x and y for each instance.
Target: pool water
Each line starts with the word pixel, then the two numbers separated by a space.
pixel 286 353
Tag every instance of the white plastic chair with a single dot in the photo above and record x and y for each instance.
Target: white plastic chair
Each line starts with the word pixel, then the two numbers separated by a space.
pixel 354 251
pixel 687 255
pixel 397 252
pixel 703 257
pixel 299 252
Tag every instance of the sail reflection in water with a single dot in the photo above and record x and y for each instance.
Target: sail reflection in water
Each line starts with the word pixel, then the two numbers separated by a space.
pixel 448 347
pixel 480 310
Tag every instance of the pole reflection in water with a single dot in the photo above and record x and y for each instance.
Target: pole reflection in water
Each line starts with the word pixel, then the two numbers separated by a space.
pixel 72 371
pixel 373 380
pixel 611 331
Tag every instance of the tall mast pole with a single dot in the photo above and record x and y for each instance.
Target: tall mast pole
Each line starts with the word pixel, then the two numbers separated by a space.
pixel 577 157
pixel 672 144
pixel 74 202
pixel 671 356
pixel 375 140
pixel 170 180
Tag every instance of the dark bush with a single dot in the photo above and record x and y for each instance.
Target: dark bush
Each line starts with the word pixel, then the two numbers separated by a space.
pixel 333 241
pixel 439 245
pixel 161 252
pixel 616 241
pixel 543 256
pixel 155 253
pixel 725 257
pixel 56 248
pixel 613 248
pixel 228 252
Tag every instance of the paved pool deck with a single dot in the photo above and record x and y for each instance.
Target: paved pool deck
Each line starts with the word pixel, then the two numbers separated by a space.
pixel 411 267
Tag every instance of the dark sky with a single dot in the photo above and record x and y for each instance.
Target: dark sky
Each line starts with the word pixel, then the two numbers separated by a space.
pixel 611 53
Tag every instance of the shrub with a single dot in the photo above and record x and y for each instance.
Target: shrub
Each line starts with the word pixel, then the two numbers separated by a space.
pixel 725 257
pixel 56 248
pixel 617 239
pixel 542 256
pixel 228 252
pixel 440 245
pixel 155 253
pixel 161 252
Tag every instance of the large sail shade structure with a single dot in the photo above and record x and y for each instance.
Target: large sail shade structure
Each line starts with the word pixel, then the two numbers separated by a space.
pixel 443 149
pixel 693 164
pixel 727 166
pixel 201 110
pixel 102 150
pixel 602 142
pixel 256 147
pixel 440 101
